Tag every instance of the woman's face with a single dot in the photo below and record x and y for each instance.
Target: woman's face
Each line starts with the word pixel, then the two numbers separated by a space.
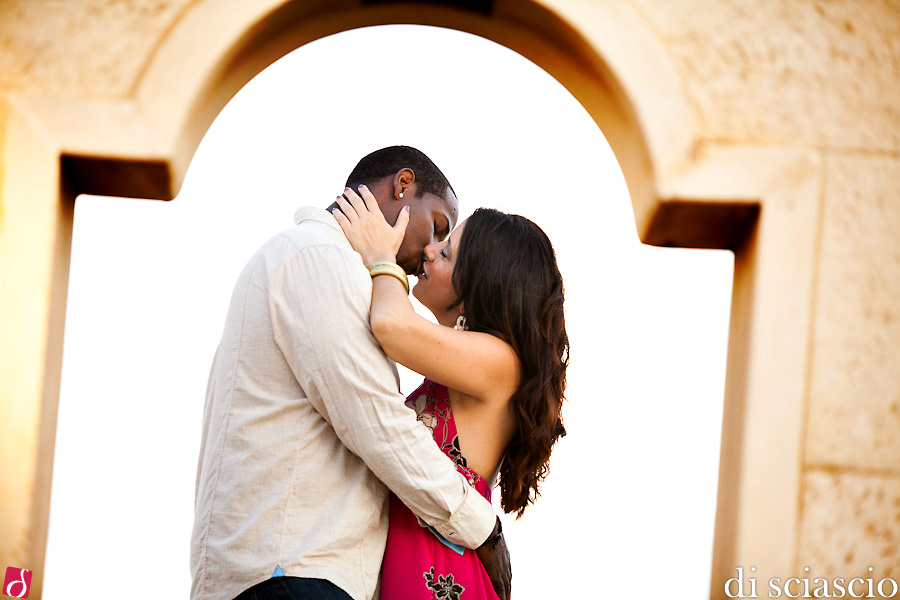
pixel 434 288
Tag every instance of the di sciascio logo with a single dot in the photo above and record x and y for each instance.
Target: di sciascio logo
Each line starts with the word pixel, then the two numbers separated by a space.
pixel 17 582
pixel 808 586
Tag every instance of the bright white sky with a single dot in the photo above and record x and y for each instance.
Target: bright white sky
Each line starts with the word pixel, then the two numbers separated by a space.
pixel 630 501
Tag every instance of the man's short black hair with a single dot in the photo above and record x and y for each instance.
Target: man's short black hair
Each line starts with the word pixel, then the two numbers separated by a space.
pixel 387 161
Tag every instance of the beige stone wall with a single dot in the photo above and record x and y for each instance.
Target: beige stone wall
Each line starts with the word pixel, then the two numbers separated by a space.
pixel 854 415
pixel 93 49
pixel 851 484
pixel 809 72
pixel 793 106
pixel 826 76
pixel 87 48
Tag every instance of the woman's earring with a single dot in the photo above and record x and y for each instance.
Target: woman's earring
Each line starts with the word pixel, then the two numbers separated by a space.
pixel 401 195
pixel 461 324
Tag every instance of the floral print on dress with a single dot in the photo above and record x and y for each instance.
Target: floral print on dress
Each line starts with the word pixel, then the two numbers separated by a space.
pixel 444 588
pixel 452 450
pixel 433 410
pixel 424 412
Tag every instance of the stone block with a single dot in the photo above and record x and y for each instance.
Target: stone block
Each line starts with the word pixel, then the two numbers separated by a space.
pixel 849 522
pixel 818 73
pixel 91 49
pixel 854 406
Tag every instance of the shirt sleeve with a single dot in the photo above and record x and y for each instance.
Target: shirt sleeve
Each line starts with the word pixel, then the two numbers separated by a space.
pixel 319 301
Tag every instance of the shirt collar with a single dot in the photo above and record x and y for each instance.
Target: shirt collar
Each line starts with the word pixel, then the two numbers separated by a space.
pixel 314 213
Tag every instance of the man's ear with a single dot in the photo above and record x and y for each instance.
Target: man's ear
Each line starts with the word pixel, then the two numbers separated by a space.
pixel 404 183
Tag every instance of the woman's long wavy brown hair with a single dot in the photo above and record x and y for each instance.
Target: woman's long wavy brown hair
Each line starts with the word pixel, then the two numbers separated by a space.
pixel 509 285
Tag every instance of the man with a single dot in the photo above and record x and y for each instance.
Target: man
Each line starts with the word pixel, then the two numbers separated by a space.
pixel 303 424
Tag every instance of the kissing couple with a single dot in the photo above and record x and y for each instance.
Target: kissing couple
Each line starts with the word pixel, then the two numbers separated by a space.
pixel 316 477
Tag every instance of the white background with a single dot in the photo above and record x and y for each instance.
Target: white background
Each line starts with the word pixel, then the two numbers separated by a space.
pixel 630 502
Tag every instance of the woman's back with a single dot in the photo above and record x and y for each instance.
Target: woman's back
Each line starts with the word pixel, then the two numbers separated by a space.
pixel 485 427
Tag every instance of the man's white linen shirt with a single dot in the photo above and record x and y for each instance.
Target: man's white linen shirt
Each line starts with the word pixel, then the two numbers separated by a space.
pixel 303 426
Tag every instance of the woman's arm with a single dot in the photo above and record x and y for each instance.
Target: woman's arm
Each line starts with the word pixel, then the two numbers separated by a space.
pixel 472 362
pixel 475 363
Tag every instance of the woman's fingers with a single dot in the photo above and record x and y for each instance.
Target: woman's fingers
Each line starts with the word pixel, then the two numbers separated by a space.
pixel 348 209
pixel 356 202
pixel 402 222
pixel 369 199
pixel 362 221
pixel 342 220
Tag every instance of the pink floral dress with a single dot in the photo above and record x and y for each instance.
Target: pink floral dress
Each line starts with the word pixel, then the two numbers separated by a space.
pixel 417 565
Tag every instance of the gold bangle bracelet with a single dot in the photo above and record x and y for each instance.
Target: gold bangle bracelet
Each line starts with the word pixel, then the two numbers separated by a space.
pixel 389 268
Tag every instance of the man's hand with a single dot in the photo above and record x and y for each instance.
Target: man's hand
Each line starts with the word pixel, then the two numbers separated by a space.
pixel 494 556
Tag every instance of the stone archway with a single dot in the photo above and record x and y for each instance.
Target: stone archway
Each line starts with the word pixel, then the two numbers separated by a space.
pixel 759 202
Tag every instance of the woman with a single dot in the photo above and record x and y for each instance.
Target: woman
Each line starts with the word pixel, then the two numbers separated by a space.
pixel 494 366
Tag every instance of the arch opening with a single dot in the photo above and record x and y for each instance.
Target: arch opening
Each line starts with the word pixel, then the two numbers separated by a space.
pixel 584 288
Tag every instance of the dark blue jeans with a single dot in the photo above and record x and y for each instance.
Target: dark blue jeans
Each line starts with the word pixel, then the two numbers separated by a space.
pixel 294 588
